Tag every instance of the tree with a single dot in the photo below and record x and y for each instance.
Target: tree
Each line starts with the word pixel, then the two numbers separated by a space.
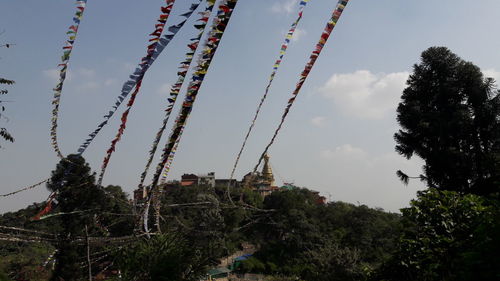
pixel 3 131
pixel 334 263
pixel 164 257
pixel 79 198
pixel 334 241
pixel 4 277
pixel 450 117
pixel 448 236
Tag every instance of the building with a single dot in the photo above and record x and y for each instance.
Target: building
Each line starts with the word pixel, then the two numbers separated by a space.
pixel 207 180
pixel 320 200
pixel 219 274
pixel 289 186
pixel 261 182
pixel 189 179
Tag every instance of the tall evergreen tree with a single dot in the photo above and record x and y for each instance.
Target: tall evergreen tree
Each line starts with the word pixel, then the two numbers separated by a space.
pixel 450 117
pixel 79 198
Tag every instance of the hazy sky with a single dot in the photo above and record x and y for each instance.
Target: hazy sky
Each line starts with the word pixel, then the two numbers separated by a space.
pixel 337 138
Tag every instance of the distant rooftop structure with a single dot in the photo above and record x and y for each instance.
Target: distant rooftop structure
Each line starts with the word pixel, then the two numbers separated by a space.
pixel 262 182
pixel 289 186
pixel 189 179
pixel 207 180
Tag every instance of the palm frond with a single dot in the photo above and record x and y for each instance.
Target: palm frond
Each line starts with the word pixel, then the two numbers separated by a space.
pixel 403 177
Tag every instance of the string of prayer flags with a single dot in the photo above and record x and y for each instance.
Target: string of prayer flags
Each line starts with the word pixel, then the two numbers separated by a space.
pixel 153 51
pixel 219 25
pixel 135 77
pixel 67 49
pixel 200 24
pixel 337 12
pixel 50 259
pixel 25 188
pixel 166 169
pixel 24 238
pixel 46 209
pixel 156 42
pixel 156 191
pixel 45 216
pixel 276 65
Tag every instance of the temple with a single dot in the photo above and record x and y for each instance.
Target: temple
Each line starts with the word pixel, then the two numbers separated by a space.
pixel 261 182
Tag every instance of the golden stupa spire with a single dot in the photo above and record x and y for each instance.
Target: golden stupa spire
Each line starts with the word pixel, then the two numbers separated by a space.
pixel 267 172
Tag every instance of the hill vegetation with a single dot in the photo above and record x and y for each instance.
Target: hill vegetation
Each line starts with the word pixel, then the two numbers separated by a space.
pixel 295 236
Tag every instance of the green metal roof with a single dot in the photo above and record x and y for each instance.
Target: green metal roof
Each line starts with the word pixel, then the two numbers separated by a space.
pixel 218 271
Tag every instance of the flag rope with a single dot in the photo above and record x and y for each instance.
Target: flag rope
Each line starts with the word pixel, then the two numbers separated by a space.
pixel 72 32
pixel 151 49
pixel 25 188
pixel 337 12
pixel 154 50
pixel 175 89
pixel 219 25
pixel 276 65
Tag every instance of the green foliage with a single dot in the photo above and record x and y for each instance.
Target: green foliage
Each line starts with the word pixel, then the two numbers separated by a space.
pixel 23 261
pixel 4 277
pixel 85 206
pixel 203 225
pixel 252 265
pixel 166 257
pixel 332 262
pixel 116 213
pixel 448 236
pixel 297 237
pixel 449 115
pixel 215 226
pixel 76 191
pixel 450 118
pixel 337 241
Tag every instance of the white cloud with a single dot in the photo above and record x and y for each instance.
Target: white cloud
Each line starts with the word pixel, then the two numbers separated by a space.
pixel 88 86
pixel 365 95
pixel 127 66
pixel 86 72
pixel 84 79
pixel 80 74
pixel 286 6
pixel 353 174
pixel 343 151
pixel 164 89
pixel 318 121
pixel 299 33
pixel 492 73
pixel 52 75
pixel 109 82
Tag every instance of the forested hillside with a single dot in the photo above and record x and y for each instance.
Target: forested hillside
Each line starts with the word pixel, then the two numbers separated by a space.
pixel 294 235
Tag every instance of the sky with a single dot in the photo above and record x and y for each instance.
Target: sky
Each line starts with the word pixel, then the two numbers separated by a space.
pixel 338 138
